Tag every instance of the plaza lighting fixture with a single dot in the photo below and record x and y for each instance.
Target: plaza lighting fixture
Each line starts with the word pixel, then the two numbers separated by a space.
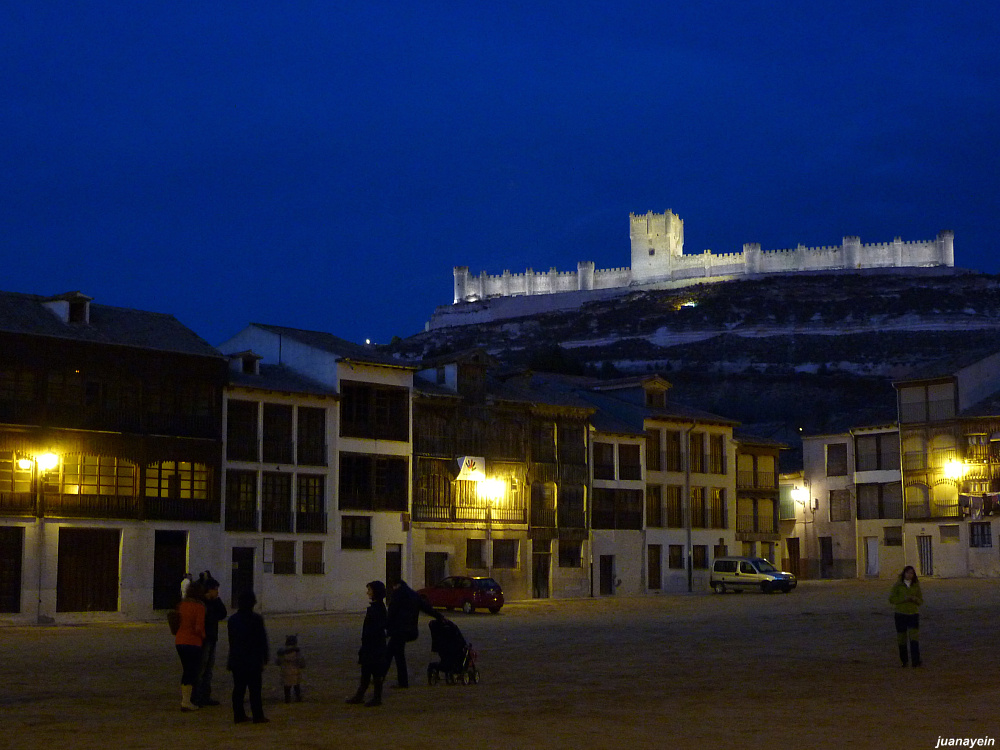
pixel 954 469
pixel 800 495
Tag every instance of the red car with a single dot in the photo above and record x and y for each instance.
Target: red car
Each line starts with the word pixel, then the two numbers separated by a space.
pixel 467 592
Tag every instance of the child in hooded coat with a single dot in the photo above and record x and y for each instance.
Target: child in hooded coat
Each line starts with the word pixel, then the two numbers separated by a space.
pixel 292 663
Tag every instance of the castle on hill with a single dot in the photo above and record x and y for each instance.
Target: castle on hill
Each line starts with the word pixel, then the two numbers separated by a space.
pixel 658 259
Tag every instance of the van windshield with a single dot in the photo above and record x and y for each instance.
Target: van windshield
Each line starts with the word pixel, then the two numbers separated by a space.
pixel 764 566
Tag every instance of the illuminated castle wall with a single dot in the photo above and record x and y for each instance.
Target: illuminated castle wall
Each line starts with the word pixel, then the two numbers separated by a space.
pixel 658 256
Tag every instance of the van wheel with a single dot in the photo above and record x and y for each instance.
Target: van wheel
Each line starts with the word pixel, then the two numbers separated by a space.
pixel 720 588
pixel 765 587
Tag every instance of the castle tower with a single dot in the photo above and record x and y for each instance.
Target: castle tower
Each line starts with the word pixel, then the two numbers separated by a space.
pixel 852 252
pixel 461 282
pixel 656 240
pixel 946 247
pixel 585 274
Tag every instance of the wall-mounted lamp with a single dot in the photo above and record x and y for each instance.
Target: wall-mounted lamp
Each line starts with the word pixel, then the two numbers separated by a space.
pixel 800 495
pixel 955 469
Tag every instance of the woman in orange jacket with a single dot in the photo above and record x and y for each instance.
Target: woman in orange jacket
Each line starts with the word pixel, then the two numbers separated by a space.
pixel 189 639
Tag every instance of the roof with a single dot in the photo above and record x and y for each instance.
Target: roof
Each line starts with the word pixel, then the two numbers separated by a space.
pixel 341 348
pixel 947 366
pixel 281 378
pixel 748 438
pixel 26 314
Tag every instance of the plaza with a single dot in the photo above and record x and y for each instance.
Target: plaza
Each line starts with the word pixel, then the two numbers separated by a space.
pixel 812 669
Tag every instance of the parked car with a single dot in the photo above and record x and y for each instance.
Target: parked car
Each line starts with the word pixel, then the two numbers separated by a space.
pixel 466 592
pixel 742 573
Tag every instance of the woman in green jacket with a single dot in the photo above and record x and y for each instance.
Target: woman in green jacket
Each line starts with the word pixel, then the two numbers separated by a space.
pixel 907 598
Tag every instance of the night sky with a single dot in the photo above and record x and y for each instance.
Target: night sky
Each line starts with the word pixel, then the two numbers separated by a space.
pixel 324 165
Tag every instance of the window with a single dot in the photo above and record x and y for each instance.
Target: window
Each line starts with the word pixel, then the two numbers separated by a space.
pixel 374 411
pixel 840 505
pixel 675 515
pixel 570 553
pixel 570 510
pixel 276 502
pixel 656 399
pixel 672 450
pixel 241 430
pixel 311 432
pixel 893 536
pixel 505 553
pixel 355 532
pixel 17 385
pixel 572 444
pixel 475 553
pixel 980 534
pixel 836 460
pixel 629 464
pixel 309 493
pixel 372 482
pixel 12 477
pixel 696 454
pixel 604 461
pixel 241 500
pixel 617 509
pixel 717 517
pixel 949 534
pixel 177 479
pixel 880 500
pixel 720 550
pixel 284 558
pixel 924 403
pixel 877 452
pixel 699 556
pixel 717 454
pixel 675 557
pixel 543 442
pixel 698 508
pixel 278 433
pixel 654 460
pixel 312 559
pixel 654 505
pixel 99 475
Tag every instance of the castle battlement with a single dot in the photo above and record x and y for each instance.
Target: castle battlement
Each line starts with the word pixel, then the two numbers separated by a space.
pixel 658 256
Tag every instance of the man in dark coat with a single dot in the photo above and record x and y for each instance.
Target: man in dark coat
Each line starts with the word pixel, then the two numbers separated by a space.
pixel 371 655
pixel 405 605
pixel 215 612
pixel 248 653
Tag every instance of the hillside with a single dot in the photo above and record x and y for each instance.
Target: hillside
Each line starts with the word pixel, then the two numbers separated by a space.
pixel 794 354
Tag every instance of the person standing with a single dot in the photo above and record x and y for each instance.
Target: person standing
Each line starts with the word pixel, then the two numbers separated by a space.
pixel 371 656
pixel 907 598
pixel 404 609
pixel 292 663
pixel 248 653
pixel 215 612
pixel 189 639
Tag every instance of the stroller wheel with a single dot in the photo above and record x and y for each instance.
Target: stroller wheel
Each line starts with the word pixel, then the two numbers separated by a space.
pixel 449 678
pixel 433 676
pixel 466 678
pixel 475 676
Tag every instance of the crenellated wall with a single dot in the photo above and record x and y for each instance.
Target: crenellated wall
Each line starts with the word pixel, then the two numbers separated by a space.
pixel 658 256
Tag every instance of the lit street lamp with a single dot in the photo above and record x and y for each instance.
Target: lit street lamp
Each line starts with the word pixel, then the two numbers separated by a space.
pixel 41 464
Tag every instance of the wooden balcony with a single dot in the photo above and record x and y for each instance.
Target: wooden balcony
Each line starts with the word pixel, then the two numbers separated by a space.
pixel 310 522
pixel 181 509
pixel 276 521
pixel 91 506
pixel 17 504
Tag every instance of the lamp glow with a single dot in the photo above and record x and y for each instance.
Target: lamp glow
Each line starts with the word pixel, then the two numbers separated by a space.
pixel 954 469
pixel 800 495
pixel 24 463
pixel 47 461
pixel 492 489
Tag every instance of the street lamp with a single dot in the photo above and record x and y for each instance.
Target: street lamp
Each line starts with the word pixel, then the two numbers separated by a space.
pixel 42 464
pixel 954 469
pixel 490 490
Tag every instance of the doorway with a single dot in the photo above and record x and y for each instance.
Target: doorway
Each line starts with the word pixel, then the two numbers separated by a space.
pixel 826 557
pixel 607 575
pixel 792 545
pixel 87 578
pixel 926 555
pixel 242 579
pixel 540 564
pixel 393 565
pixel 435 567
pixel 871 556
pixel 11 554
pixel 169 566
pixel 654 553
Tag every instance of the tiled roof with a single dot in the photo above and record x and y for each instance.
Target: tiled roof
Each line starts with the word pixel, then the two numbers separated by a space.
pixel 120 326
pixel 335 345
pixel 280 378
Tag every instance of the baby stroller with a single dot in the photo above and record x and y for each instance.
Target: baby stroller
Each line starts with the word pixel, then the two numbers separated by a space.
pixel 458 660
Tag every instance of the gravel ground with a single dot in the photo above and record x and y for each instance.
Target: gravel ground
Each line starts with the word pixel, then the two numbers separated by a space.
pixel 813 669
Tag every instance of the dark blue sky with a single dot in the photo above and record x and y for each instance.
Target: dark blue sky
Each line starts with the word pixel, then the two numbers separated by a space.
pixel 324 165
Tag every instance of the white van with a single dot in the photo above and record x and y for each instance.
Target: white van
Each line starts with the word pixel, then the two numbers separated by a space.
pixel 742 573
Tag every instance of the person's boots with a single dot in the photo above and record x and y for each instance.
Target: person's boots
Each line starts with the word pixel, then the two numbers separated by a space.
pixel 915 653
pixel 359 695
pixel 903 656
pixel 186 704
pixel 377 698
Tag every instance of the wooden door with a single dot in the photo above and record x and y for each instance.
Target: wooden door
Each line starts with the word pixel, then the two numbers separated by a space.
pixel 11 555
pixel 242 579
pixel 87 579
pixel 169 566
pixel 654 555
pixel 607 575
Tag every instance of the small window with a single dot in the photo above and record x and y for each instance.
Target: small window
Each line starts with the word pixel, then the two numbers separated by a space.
pixel 980 534
pixel 356 532
pixel 284 558
pixel 720 550
pixel 699 555
pixel 840 505
pixel 312 558
pixel 949 534
pixel 893 536
pixel 836 460
pixel 570 553
pixel 475 553
pixel 675 557
pixel 505 553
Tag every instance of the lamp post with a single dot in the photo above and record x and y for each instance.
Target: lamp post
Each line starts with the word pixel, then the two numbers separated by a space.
pixel 40 465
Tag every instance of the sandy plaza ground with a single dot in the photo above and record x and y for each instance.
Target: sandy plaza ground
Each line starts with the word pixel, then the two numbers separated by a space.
pixel 816 668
